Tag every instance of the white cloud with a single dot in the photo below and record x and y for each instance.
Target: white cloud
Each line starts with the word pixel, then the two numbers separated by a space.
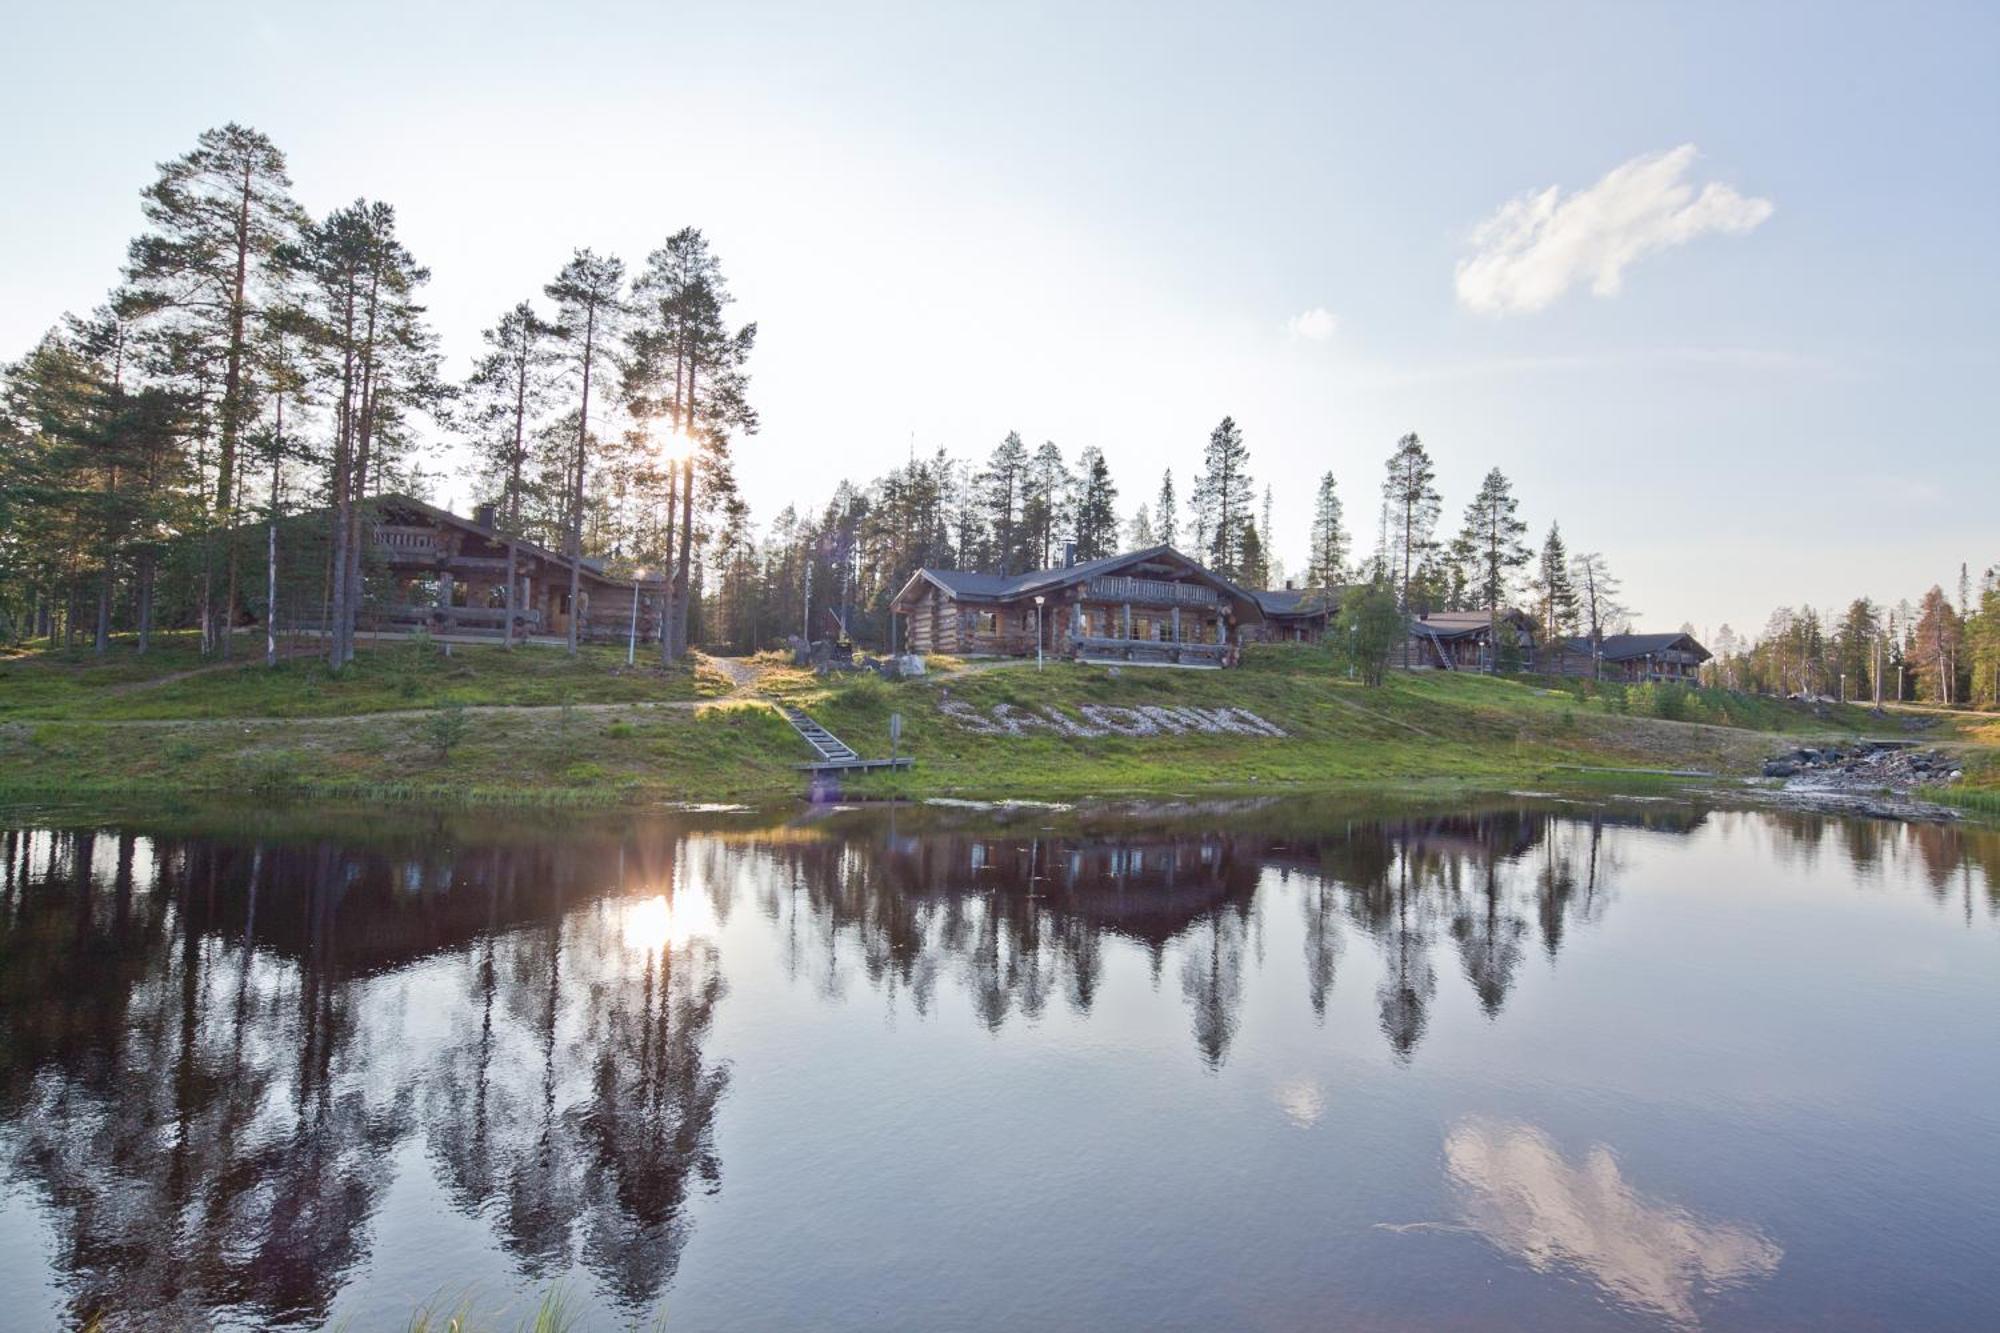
pixel 1314 325
pixel 1537 246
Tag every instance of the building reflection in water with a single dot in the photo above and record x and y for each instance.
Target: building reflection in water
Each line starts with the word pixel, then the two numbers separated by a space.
pixel 1516 1189
pixel 214 1046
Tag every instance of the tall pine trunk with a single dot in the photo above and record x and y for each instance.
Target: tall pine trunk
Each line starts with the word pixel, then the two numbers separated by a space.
pixel 576 487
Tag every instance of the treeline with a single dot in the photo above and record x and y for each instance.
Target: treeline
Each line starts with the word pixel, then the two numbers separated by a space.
pixel 256 362
pixel 1935 651
pixel 1019 509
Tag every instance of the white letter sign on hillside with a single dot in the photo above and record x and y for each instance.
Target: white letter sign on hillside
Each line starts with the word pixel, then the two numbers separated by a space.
pixel 1094 720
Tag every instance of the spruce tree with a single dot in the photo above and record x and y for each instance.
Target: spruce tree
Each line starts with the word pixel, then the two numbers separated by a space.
pixel 1555 594
pixel 1002 484
pixel 1166 513
pixel 1096 506
pixel 1222 498
pixel 1492 540
pixel 1140 535
pixel 1328 566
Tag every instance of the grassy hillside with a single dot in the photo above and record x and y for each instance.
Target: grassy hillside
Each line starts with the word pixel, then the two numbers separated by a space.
pixel 174 682
pixel 645 735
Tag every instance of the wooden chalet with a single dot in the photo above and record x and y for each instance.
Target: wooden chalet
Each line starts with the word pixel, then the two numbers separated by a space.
pixel 430 569
pixel 1635 658
pixel 1463 640
pixel 1150 607
pixel 1296 615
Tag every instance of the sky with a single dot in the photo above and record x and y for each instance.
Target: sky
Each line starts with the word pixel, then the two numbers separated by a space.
pixel 1714 284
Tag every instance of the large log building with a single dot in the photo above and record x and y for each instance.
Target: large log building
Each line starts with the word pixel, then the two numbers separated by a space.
pixel 427 568
pixel 1154 606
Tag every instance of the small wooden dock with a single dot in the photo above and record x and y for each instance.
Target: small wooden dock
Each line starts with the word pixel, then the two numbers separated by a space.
pixel 835 754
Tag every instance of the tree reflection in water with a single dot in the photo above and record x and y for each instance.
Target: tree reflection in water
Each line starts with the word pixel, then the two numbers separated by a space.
pixel 214 1049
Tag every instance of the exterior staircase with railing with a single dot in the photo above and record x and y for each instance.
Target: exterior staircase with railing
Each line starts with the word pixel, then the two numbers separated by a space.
pixel 833 751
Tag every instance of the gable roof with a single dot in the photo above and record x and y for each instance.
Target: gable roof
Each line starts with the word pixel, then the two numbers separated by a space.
pixel 588 566
pixel 977 586
pixel 1297 601
pixel 1463 624
pixel 1624 647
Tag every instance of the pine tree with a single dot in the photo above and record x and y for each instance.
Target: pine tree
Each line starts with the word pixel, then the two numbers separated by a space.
pixel 1327 569
pixel 588 296
pixel 701 368
pixel 383 359
pixel 1222 498
pixel 505 398
pixel 221 218
pixel 1166 514
pixel 1096 506
pixel 1045 504
pixel 1555 594
pixel 1411 500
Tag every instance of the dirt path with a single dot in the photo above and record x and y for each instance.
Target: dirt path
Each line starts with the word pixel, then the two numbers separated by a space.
pixel 229 664
pixel 743 675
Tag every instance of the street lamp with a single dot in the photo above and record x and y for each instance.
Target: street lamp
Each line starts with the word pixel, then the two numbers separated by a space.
pixel 1038 631
pixel 632 642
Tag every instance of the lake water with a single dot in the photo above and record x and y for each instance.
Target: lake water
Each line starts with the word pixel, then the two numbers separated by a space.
pixel 1534 1064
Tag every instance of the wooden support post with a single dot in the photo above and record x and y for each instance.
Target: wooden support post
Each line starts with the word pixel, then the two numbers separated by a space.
pixel 513 592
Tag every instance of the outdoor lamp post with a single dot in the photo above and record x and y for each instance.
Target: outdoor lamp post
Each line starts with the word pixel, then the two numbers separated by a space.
pixel 632 642
pixel 1038 631
pixel 1353 647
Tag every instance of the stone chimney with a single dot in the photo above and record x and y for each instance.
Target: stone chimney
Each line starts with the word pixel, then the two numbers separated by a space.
pixel 1069 554
pixel 483 515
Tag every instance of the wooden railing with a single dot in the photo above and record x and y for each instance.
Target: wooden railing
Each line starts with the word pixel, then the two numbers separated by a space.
pixel 1097 649
pixel 406 540
pixel 1120 588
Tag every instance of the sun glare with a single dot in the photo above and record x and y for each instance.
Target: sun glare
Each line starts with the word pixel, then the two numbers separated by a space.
pixel 648 924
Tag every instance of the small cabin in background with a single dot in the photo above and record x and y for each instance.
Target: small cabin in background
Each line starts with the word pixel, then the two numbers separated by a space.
pixel 1464 640
pixel 1297 615
pixel 430 569
pixel 1151 607
pixel 1634 658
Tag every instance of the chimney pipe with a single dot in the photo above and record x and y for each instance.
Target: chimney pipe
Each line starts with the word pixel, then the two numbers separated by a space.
pixel 1069 554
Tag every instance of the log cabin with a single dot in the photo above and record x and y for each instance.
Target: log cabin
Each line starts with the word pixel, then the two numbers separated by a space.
pixel 1296 615
pixel 1152 607
pixel 1633 658
pixel 430 569
pixel 1464 640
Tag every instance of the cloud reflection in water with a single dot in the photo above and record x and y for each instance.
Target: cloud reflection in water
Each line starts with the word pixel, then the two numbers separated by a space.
pixel 1516 1189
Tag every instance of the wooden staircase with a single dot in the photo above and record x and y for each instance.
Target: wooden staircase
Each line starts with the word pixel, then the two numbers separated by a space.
pixel 833 751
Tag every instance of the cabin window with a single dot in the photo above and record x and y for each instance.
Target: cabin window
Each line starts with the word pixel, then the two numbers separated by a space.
pixel 987 622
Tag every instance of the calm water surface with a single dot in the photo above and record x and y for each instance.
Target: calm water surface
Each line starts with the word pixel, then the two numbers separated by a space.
pixel 1261 1066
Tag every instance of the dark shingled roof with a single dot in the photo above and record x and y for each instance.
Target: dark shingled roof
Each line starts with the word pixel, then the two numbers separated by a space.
pixel 973 585
pixel 1295 601
pixel 1623 647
